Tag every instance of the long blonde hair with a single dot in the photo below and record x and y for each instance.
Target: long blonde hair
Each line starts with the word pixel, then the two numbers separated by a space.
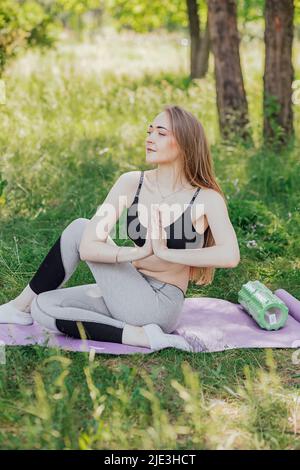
pixel 198 169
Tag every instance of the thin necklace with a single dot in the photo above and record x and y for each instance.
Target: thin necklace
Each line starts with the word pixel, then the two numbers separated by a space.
pixel 173 192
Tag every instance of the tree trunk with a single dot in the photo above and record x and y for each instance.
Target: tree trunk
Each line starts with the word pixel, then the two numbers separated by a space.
pixel 231 97
pixel 204 52
pixel 200 44
pixel 279 72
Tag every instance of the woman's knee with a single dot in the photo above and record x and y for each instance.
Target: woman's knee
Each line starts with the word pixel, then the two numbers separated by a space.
pixel 40 313
pixel 74 231
pixel 168 327
pixel 78 225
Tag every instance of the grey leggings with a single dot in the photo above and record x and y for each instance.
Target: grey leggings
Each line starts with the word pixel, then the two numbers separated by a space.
pixel 121 295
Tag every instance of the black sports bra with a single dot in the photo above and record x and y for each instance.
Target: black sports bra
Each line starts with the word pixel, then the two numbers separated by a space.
pixel 180 234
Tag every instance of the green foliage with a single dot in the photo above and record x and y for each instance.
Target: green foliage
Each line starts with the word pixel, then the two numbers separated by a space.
pixel 23 24
pixel 261 230
pixel 250 10
pixel 297 12
pixel 71 403
pixel 272 109
pixel 29 23
pixel 148 15
pixel 3 183
pixel 268 403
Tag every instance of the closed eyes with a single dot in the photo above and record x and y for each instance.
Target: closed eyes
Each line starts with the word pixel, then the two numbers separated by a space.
pixel 148 132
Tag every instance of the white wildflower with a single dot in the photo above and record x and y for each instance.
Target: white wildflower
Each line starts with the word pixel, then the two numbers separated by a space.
pixel 184 42
pixel 105 150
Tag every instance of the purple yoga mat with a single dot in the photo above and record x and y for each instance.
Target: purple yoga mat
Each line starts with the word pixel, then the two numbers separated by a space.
pixel 291 302
pixel 216 324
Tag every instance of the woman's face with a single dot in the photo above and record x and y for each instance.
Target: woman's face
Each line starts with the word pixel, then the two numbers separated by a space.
pixel 161 140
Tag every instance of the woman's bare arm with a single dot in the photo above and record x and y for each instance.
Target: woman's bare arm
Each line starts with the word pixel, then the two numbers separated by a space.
pixel 225 253
pixel 94 244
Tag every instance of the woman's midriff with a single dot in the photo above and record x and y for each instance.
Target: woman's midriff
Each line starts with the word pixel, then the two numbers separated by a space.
pixel 177 275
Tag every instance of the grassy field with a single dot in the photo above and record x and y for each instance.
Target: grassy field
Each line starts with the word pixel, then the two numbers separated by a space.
pixel 76 118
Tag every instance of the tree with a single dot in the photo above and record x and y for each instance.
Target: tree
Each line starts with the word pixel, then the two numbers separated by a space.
pixel 231 97
pixel 148 15
pixel 22 24
pixel 279 73
pixel 200 43
pixel 35 23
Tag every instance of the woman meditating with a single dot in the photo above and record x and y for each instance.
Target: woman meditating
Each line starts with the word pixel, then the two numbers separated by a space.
pixel 178 220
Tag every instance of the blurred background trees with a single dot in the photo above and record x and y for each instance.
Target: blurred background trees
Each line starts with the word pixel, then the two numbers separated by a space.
pixel 38 23
pixel 212 26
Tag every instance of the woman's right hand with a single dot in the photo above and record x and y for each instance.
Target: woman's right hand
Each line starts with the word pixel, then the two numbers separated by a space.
pixel 147 249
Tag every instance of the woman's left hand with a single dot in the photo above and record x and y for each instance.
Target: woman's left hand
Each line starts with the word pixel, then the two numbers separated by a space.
pixel 159 236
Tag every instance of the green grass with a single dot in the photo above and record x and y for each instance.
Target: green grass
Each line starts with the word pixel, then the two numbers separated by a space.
pixel 76 118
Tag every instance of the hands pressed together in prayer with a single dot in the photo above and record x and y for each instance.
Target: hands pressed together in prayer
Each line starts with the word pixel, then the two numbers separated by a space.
pixel 156 239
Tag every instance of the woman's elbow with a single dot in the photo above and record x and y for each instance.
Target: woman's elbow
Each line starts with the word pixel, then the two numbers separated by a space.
pixel 82 256
pixel 83 253
pixel 235 261
pixel 235 264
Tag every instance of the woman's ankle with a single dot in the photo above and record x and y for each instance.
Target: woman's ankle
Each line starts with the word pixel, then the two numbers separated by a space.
pixel 21 306
pixel 24 300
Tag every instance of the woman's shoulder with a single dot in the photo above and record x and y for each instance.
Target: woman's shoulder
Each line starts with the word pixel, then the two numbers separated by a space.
pixel 208 193
pixel 129 182
pixel 131 176
pixel 205 199
pixel 134 177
